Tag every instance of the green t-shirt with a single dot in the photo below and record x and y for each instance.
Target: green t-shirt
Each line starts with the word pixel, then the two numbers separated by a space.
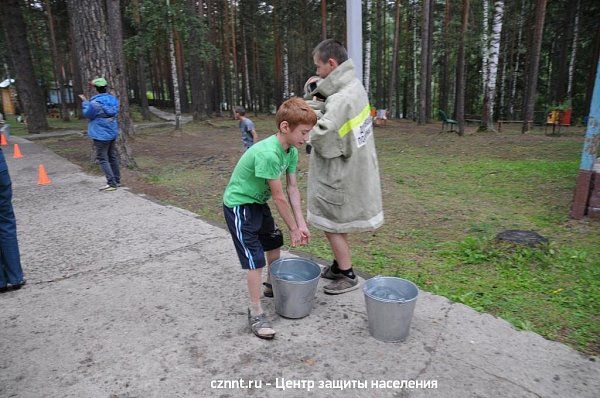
pixel 263 161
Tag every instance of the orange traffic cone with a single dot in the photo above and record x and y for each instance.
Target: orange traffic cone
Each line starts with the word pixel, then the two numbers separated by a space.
pixel 42 176
pixel 17 152
pixel 3 140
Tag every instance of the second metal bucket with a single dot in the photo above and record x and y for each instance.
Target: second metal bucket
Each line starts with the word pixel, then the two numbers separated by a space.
pixel 294 283
pixel 390 305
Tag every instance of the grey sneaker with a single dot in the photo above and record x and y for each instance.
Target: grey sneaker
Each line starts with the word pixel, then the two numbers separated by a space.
pixel 342 285
pixel 329 274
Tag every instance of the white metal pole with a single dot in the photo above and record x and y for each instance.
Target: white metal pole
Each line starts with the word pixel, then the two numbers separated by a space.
pixel 354 35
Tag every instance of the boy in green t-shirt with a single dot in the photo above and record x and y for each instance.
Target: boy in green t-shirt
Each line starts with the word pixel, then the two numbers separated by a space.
pixel 255 179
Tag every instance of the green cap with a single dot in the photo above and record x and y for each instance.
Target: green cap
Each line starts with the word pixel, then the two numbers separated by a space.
pixel 100 82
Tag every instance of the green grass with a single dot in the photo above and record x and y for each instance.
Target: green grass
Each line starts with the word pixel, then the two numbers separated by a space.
pixel 19 129
pixel 445 199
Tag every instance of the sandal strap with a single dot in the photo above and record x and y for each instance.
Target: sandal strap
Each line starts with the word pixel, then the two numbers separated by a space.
pixel 259 322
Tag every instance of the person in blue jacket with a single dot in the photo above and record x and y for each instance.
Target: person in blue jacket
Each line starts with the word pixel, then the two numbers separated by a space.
pixel 102 111
pixel 11 274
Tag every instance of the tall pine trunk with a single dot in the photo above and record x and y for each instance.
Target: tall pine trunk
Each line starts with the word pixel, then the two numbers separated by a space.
pixel 425 81
pixel 196 87
pixel 394 72
pixel 443 98
pixel 515 73
pixel 140 65
pixel 573 52
pixel 323 19
pixel 30 94
pixel 460 71
pixel 119 79
pixel 367 63
pixel 532 75
pixel 58 67
pixel 415 46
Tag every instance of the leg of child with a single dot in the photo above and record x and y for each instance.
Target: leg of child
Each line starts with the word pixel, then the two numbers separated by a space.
pixel 272 255
pixel 254 280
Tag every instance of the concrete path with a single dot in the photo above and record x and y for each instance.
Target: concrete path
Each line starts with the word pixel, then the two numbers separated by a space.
pixel 130 298
pixel 168 116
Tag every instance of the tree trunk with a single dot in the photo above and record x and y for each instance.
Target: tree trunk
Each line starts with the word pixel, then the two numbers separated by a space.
pixel 415 46
pixel 30 94
pixel 323 19
pixel 460 71
pixel 443 104
pixel 74 63
pixel 286 66
pixel 428 99
pixel 493 53
pixel 532 75
pixel 515 74
pixel 573 52
pixel 234 56
pixel 278 69
pixel 140 64
pixel 592 68
pixel 485 52
pixel 173 63
pixel 367 63
pixel 248 98
pixel 394 72
pixel 119 80
pixel 195 60
pixel 379 57
pixel 181 80
pixel 425 81
pixel 58 67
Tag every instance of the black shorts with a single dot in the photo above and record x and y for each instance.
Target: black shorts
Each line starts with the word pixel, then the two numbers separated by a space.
pixel 254 232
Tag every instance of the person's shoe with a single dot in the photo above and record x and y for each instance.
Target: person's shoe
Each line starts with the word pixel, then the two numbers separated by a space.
pixel 4 289
pixel 342 285
pixel 108 188
pixel 329 274
pixel 261 326
pixel 268 290
pixel 18 285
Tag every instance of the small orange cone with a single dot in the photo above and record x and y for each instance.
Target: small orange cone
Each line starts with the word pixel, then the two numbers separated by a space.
pixel 17 152
pixel 42 176
pixel 3 140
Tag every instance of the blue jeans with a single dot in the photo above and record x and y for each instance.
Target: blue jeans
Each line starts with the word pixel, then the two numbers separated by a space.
pixel 108 157
pixel 10 259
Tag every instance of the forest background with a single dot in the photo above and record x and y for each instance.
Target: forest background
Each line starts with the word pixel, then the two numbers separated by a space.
pixel 211 55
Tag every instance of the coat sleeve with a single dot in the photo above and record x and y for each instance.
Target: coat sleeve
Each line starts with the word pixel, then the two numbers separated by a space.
pixel 324 137
pixel 89 111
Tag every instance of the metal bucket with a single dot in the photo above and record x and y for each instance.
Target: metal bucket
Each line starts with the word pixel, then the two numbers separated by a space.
pixel 390 305
pixel 294 283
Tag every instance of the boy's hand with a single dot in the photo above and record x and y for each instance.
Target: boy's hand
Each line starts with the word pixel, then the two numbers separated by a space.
pixel 305 233
pixel 295 237
pixel 82 97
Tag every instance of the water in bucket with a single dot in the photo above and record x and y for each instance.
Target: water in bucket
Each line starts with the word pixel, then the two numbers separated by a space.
pixel 390 304
pixel 386 293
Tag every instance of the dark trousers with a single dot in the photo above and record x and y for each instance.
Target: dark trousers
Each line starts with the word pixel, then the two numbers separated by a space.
pixel 108 158
pixel 10 259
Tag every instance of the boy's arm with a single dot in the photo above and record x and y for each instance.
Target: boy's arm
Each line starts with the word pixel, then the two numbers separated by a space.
pixel 324 136
pixel 254 135
pixel 89 111
pixel 283 208
pixel 294 196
